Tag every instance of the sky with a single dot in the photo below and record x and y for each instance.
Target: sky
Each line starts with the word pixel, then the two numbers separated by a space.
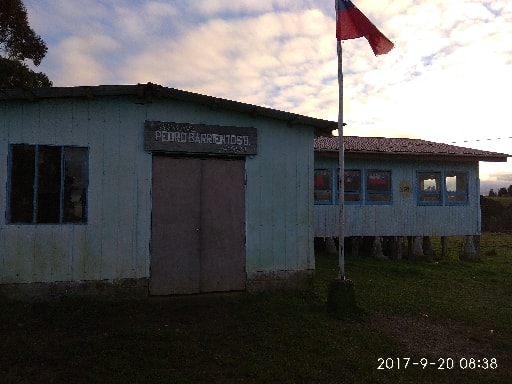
pixel 448 79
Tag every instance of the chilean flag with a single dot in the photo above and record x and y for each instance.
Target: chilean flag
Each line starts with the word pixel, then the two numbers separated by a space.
pixel 351 24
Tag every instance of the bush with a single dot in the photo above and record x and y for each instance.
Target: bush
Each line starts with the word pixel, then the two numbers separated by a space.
pixel 496 214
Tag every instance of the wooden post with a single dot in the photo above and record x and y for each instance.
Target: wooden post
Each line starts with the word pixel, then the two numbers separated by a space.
pixel 417 249
pixel 396 247
pixel 444 247
pixel 330 246
pixel 469 252
pixel 410 240
pixel 428 251
pixel 377 248
pixel 355 242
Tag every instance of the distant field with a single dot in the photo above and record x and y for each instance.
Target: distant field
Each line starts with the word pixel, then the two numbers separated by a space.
pixel 445 321
pixel 506 201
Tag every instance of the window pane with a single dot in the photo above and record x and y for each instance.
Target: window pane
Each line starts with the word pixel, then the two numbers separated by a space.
pixel 22 183
pixel 75 184
pixel 48 184
pixel 457 198
pixel 456 182
pixel 429 186
pixel 352 196
pixel 378 181
pixel 352 185
pixel 323 189
pixel 429 182
pixel 379 186
pixel 456 187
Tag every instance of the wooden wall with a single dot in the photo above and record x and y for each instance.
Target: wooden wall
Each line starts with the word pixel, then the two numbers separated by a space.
pixel 115 243
pixel 280 201
pixel 404 217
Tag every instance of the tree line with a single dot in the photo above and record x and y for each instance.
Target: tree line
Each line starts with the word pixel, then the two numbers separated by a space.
pixel 502 192
pixel 19 44
pixel 496 214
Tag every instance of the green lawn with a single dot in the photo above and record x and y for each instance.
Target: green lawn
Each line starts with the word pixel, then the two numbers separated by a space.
pixel 505 200
pixel 444 312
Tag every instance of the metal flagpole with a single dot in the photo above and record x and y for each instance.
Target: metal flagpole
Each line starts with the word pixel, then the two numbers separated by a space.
pixel 341 176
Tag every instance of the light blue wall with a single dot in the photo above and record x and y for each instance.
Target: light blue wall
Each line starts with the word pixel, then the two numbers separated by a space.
pixel 279 194
pixel 404 217
pixel 115 243
pixel 280 201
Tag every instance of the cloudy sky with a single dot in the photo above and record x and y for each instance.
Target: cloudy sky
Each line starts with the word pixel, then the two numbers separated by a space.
pixel 448 79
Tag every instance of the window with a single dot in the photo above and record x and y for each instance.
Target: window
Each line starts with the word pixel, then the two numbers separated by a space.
pixel 429 188
pixel 456 187
pixel 378 187
pixel 323 186
pixel 48 184
pixel 352 186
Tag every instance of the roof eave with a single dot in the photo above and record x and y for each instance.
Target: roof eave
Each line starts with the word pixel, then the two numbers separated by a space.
pixel 415 156
pixel 147 92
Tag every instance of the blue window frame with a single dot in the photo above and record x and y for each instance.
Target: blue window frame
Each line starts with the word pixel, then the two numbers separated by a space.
pixel 352 186
pixel 378 187
pixel 47 184
pixel 456 188
pixel 429 188
pixel 327 188
pixel 442 188
pixel 323 186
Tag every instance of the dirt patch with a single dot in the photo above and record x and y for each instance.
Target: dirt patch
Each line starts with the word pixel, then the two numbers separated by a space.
pixel 422 336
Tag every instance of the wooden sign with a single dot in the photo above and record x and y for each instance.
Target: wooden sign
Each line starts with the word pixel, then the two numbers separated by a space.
pixel 405 188
pixel 199 138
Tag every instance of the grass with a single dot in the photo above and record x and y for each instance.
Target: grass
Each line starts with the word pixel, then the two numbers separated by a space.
pixel 433 310
pixel 505 200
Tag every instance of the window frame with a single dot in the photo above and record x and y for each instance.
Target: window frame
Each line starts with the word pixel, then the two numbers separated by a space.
pixel 420 192
pixel 331 190
pixel 374 192
pixel 464 193
pixel 352 191
pixel 63 184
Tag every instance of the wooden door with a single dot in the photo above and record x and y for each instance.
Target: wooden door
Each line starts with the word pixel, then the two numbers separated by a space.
pixel 223 225
pixel 175 223
pixel 198 225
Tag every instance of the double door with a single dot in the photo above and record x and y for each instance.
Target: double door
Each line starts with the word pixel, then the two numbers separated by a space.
pixel 198 225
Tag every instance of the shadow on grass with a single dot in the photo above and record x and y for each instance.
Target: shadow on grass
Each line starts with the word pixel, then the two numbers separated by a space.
pixel 397 309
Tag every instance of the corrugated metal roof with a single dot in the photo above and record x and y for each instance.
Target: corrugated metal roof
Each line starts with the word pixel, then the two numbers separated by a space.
pixel 402 146
pixel 148 92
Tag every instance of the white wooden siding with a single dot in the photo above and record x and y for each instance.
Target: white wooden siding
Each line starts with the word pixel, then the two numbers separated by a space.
pixel 115 242
pixel 279 201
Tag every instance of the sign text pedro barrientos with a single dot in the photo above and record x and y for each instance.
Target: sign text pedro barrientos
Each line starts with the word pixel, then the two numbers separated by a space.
pixel 199 138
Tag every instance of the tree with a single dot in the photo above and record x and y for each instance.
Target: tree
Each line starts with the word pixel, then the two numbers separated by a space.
pixel 492 193
pixel 502 192
pixel 19 43
pixel 509 189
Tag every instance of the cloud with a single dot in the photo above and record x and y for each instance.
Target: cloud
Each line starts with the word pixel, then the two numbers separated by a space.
pixel 216 8
pixel 79 59
pixel 437 81
pixel 57 19
pixel 278 60
pixel 447 77
pixel 160 10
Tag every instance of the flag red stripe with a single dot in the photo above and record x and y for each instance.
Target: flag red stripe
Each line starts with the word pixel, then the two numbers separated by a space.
pixel 351 23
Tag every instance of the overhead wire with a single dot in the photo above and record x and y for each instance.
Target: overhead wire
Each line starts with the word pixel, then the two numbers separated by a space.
pixel 482 140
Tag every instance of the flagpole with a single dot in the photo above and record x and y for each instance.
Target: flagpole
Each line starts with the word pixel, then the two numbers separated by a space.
pixel 341 177
pixel 350 24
